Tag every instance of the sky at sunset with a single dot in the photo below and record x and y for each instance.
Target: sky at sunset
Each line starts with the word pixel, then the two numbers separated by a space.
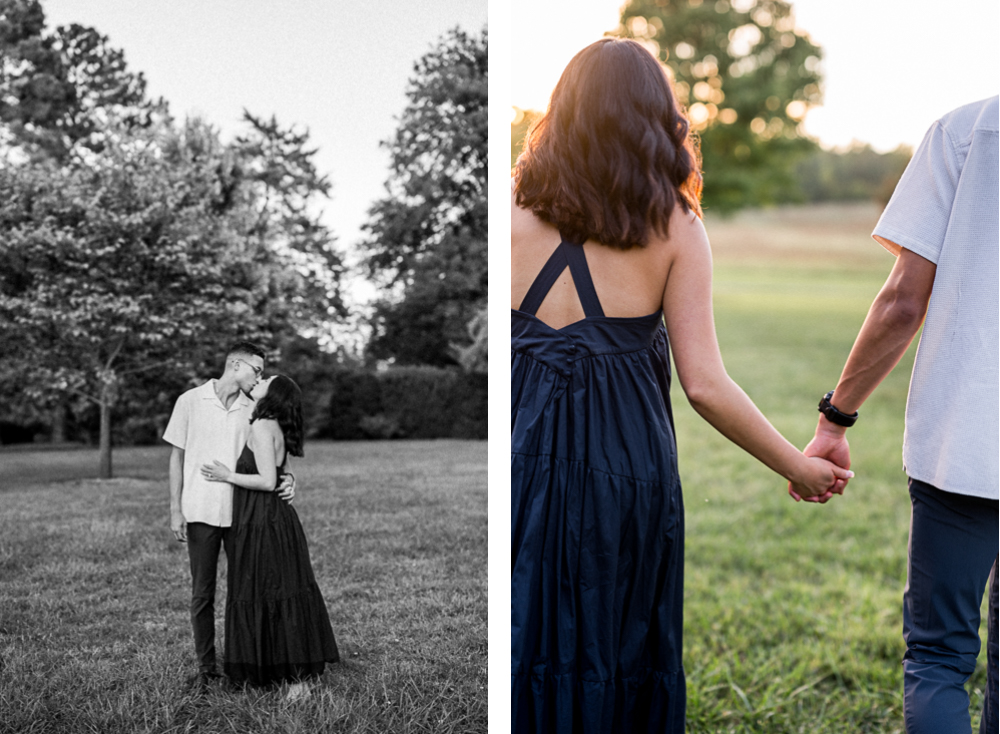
pixel 891 68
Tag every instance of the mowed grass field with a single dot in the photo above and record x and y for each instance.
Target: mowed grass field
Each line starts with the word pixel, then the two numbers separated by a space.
pixel 793 611
pixel 95 632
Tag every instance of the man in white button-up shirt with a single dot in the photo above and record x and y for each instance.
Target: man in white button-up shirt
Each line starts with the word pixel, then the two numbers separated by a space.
pixel 209 423
pixel 942 224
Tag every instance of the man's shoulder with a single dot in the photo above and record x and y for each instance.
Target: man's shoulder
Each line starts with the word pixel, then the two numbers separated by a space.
pixel 963 121
pixel 205 388
pixel 196 393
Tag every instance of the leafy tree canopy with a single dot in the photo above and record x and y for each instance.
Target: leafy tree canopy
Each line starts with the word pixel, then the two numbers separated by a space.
pixel 132 244
pixel 748 76
pixel 140 259
pixel 426 241
pixel 59 89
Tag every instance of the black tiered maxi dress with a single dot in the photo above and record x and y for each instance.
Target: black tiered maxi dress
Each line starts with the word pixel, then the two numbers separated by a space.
pixel 597 520
pixel 277 626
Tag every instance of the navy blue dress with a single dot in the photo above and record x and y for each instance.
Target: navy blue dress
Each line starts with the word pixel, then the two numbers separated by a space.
pixel 598 520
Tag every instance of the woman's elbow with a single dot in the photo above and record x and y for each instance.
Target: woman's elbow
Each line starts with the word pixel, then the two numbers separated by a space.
pixel 701 393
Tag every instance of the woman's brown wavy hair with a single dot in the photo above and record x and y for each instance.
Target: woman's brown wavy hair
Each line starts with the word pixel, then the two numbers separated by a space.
pixel 613 153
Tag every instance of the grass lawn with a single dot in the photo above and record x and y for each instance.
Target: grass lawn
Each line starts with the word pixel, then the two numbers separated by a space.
pixel 95 634
pixel 793 612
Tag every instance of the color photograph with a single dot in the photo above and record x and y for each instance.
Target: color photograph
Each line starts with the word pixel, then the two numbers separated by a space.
pixel 754 339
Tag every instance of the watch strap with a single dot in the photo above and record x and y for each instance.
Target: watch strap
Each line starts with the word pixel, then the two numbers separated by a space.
pixel 835 416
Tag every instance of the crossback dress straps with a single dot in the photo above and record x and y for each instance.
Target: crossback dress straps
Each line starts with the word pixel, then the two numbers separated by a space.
pixel 566 254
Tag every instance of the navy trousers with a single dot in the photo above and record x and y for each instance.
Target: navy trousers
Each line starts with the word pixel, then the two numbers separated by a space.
pixel 204 543
pixel 953 546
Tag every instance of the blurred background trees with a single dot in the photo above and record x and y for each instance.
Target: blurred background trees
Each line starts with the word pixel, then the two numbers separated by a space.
pixel 134 248
pixel 747 76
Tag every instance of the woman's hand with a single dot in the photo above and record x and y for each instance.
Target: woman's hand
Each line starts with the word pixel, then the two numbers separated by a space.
pixel 818 480
pixel 216 472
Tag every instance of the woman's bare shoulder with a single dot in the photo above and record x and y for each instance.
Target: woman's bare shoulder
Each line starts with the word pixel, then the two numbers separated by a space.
pixel 518 215
pixel 265 427
pixel 686 224
pixel 686 231
pixel 525 225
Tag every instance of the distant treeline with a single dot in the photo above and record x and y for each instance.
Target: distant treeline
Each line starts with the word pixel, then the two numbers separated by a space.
pixel 856 174
pixel 343 400
pixel 353 404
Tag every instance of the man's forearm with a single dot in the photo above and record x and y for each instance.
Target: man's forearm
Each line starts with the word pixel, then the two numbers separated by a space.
pixel 882 342
pixel 176 479
pixel 892 322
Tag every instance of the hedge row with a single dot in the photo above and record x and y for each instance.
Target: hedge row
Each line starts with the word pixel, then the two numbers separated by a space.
pixel 407 402
pixel 340 403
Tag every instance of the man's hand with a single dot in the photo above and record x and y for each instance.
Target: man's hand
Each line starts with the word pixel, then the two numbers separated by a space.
pixel 830 443
pixel 286 490
pixel 178 526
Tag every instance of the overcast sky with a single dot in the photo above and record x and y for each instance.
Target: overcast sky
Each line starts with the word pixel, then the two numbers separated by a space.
pixel 891 67
pixel 336 67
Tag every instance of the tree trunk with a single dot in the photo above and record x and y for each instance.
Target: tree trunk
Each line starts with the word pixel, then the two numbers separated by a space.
pixel 107 398
pixel 59 423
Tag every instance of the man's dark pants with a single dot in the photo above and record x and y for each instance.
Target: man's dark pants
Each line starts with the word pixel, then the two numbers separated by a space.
pixel 204 543
pixel 953 545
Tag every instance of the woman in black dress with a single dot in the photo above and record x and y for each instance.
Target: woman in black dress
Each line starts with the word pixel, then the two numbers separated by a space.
pixel 277 626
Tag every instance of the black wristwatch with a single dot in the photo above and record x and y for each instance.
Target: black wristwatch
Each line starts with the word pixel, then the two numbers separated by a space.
pixel 835 416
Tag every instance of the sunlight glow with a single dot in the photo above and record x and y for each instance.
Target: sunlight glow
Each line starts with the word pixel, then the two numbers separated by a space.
pixel 796 109
pixel 727 116
pixel 548 34
pixel 684 50
pixel 698 114
pixel 743 39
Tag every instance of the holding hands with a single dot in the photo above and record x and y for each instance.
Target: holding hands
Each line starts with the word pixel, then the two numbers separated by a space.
pixel 828 447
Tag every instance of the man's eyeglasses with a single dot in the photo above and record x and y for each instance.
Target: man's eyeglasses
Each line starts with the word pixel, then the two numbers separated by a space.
pixel 257 371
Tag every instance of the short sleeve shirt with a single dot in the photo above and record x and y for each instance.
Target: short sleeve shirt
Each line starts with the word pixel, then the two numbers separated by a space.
pixel 945 209
pixel 208 431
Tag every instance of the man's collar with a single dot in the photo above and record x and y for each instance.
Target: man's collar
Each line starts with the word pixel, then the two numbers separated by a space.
pixel 207 392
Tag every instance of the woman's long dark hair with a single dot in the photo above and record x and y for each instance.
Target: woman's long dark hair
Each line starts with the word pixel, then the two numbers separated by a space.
pixel 283 403
pixel 613 153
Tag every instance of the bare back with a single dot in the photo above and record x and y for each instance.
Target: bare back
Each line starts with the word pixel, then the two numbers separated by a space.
pixel 267 442
pixel 629 283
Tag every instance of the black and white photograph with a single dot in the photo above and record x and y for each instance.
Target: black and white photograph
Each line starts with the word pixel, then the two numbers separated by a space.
pixel 243 366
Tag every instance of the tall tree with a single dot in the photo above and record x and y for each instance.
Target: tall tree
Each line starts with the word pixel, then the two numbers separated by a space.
pixel 58 88
pixel 278 175
pixel 748 76
pixel 135 261
pixel 426 241
pixel 131 244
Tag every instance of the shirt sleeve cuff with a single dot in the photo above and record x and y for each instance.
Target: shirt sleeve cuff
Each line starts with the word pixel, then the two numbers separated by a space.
pixel 893 241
